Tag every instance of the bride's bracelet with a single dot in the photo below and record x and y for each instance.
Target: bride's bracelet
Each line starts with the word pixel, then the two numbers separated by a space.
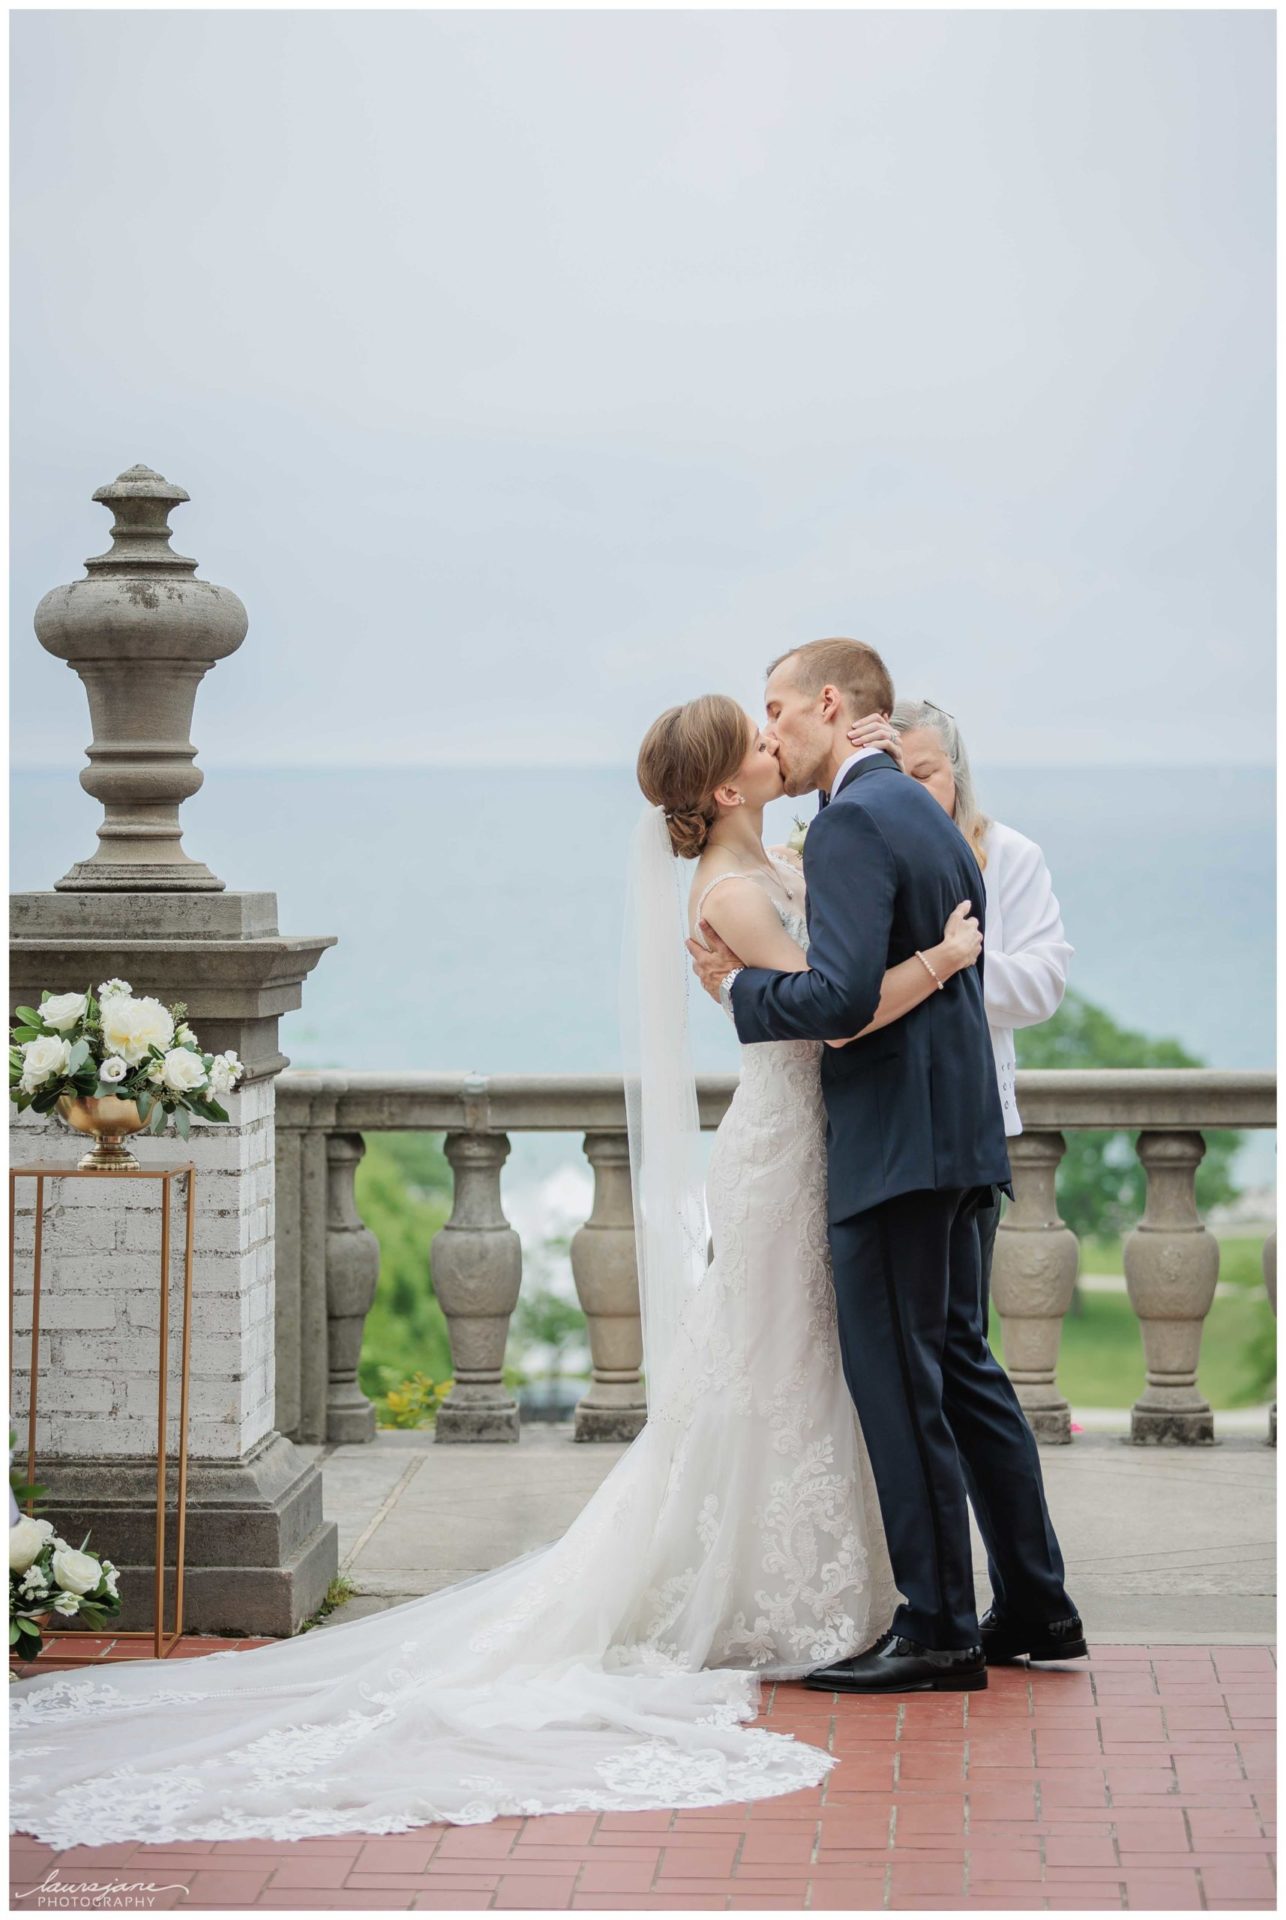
pixel 932 970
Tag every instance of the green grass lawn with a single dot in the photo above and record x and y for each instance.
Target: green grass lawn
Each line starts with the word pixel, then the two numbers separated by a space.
pixel 1240 1261
pixel 1101 1357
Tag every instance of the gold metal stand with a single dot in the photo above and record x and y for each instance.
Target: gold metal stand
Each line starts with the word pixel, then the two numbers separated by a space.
pixel 162 1642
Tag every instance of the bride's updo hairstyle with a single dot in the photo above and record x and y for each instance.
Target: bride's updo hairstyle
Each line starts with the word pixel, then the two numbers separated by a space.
pixel 685 755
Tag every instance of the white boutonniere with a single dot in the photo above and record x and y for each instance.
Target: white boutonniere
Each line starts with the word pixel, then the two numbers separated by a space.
pixel 795 841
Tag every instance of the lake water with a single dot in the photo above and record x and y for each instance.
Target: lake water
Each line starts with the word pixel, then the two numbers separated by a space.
pixel 479 914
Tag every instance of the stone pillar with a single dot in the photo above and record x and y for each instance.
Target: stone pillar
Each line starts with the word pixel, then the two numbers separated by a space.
pixel 1033 1278
pixel 607 1286
pixel 1269 1257
pixel 302 1319
pixel 1171 1268
pixel 141 631
pixel 477 1272
pixel 352 1271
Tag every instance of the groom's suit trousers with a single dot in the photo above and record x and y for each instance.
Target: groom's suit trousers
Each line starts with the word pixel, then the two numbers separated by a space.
pixel 940 1419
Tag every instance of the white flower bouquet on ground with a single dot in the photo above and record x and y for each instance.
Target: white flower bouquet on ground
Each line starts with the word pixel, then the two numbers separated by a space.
pixel 80 1047
pixel 50 1581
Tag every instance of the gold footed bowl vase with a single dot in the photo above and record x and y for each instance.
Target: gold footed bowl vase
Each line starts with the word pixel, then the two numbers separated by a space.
pixel 110 1121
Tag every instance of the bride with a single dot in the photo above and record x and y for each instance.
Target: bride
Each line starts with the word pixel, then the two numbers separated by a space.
pixel 737 1540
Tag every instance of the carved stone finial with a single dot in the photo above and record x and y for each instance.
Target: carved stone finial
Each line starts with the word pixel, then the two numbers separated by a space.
pixel 141 631
pixel 142 501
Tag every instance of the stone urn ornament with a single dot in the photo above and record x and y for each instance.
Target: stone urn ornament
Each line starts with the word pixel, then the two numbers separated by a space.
pixel 141 631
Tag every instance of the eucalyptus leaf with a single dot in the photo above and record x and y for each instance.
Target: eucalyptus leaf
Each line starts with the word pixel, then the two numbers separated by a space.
pixel 157 1122
pixel 145 1100
pixel 78 1056
pixel 183 1121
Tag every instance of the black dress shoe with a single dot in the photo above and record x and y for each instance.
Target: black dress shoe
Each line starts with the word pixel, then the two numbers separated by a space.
pixel 1005 1641
pixel 897 1665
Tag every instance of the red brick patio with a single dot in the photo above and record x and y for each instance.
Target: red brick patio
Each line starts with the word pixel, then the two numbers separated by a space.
pixel 1143 1779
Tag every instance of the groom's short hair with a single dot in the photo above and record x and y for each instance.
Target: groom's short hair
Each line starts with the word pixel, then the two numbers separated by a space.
pixel 850 665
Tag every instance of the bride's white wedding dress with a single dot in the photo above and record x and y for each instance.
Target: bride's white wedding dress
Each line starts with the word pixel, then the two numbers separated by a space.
pixel 738 1539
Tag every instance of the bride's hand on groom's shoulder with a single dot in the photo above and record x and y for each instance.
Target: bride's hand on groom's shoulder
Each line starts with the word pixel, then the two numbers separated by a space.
pixel 876 730
pixel 961 938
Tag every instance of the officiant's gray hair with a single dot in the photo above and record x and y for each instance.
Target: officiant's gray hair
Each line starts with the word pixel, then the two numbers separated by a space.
pixel 908 717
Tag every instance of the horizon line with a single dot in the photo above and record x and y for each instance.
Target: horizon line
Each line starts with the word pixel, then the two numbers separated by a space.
pixel 505 763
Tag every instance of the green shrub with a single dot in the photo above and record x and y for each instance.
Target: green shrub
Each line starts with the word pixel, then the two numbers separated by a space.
pixel 403 1193
pixel 1101 1185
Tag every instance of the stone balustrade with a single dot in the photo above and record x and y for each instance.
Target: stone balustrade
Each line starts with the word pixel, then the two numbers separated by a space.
pixel 327 1263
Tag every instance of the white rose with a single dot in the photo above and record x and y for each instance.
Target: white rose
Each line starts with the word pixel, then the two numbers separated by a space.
pixel 28 1538
pixel 42 1060
pixel 113 1069
pixel 76 1572
pixel 182 1071
pixel 66 1603
pixel 222 1077
pixel 109 987
pixel 131 1026
pixel 62 1010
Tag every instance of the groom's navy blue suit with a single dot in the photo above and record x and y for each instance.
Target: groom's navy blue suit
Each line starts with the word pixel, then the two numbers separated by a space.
pixel 915 1138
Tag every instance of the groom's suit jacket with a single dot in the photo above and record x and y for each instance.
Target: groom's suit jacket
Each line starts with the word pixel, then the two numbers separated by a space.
pixel 913 1105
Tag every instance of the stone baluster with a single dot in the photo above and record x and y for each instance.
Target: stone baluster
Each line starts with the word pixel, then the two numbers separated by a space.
pixel 1033 1278
pixel 1171 1267
pixel 607 1286
pixel 1269 1257
pixel 477 1271
pixel 352 1272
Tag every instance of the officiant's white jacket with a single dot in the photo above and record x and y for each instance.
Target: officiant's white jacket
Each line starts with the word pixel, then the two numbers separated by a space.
pixel 1025 950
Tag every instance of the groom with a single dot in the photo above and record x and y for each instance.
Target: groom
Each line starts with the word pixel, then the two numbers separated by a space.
pixel 915 1141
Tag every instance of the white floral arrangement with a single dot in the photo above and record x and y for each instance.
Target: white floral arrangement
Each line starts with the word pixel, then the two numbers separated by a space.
pixel 795 840
pixel 117 1045
pixel 48 1577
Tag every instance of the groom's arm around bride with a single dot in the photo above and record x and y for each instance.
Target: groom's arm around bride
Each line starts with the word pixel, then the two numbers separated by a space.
pixel 913 1105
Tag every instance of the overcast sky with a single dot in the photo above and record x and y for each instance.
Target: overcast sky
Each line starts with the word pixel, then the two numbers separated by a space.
pixel 529 373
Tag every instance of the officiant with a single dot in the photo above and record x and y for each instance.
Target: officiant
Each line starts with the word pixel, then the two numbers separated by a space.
pixel 1025 950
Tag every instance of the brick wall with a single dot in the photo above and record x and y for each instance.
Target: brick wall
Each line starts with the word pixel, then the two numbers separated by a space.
pixel 101 1283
